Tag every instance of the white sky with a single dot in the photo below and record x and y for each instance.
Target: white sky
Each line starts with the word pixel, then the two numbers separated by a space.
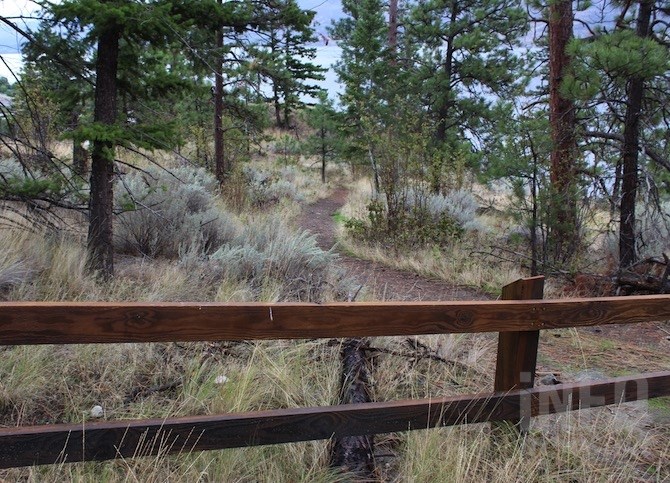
pixel 326 55
pixel 13 8
pixel 14 63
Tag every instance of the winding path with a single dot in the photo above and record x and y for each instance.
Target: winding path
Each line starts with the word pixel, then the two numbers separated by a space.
pixel 384 283
pixel 390 284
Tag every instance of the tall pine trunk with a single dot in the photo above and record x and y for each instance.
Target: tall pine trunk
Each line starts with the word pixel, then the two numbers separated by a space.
pixel 277 105
pixel 79 154
pixel 446 103
pixel 324 153
pixel 219 160
pixel 444 109
pixel 630 150
pixel 393 29
pixel 563 205
pixel 101 203
pixel 286 90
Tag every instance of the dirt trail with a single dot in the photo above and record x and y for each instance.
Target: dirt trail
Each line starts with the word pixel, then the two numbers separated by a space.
pixel 384 282
pixel 390 284
pixel 571 355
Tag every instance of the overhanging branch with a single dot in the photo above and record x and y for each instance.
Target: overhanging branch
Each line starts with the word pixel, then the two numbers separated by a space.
pixel 654 155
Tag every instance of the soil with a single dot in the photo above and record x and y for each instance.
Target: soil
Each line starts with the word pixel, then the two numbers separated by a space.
pixel 564 355
pixel 384 283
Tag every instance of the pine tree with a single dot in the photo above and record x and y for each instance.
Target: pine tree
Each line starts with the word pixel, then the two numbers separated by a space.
pixel 467 60
pixel 118 32
pixel 67 86
pixel 622 74
pixel 285 57
pixel 363 69
pixel 324 142
pixel 631 146
pixel 465 64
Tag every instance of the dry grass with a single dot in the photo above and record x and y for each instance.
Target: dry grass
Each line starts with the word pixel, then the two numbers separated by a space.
pixel 456 264
pixel 558 448
pixel 461 263
pixel 53 384
pixel 62 383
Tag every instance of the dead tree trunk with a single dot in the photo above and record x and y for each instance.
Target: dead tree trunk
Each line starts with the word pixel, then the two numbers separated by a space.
pixel 354 454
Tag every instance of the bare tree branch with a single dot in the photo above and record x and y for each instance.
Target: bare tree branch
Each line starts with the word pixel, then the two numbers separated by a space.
pixel 649 151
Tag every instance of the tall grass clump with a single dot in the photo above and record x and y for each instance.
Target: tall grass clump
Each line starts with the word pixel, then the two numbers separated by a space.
pixel 570 447
pixel 164 214
pixel 17 265
pixel 42 265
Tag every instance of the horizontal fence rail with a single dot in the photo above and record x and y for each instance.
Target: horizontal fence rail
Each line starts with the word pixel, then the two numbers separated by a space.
pixel 103 322
pixel 514 400
pixel 108 440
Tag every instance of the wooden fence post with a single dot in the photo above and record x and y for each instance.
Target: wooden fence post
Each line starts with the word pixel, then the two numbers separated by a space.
pixel 517 351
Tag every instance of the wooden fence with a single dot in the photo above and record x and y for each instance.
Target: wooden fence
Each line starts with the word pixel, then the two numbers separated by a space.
pixel 518 319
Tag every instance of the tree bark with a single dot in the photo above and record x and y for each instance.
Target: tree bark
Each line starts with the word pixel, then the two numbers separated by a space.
pixel 79 159
pixel 630 150
pixel 275 99
pixel 79 154
pixel 323 154
pixel 354 454
pixel 286 89
pixel 375 171
pixel 444 109
pixel 393 30
pixel 534 218
pixel 101 203
pixel 563 203
pixel 219 158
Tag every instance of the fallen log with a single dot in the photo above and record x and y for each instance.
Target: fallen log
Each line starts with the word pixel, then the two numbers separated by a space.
pixel 354 454
pixel 647 276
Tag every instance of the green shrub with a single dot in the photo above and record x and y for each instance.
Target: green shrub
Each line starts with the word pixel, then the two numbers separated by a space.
pixel 423 219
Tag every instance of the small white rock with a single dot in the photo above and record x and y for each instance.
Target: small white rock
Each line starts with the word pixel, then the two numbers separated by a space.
pixel 97 412
pixel 220 379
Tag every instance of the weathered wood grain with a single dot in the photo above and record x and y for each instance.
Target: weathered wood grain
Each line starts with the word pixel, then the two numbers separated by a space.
pixel 72 323
pixel 114 439
pixel 355 454
pixel 517 351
